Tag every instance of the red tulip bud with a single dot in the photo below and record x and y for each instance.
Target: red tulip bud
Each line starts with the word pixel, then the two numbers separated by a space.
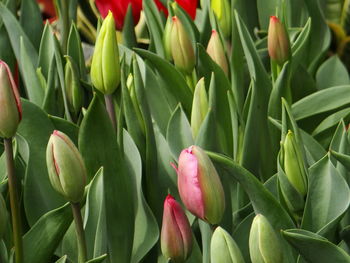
pixel 10 103
pixel 199 185
pixel 176 235
pixel 278 41
pixel 190 6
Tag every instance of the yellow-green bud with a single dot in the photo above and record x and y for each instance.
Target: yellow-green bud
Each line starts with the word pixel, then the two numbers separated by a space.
pixel 66 167
pixel 222 10
pixel 181 47
pixel 200 107
pixel 72 85
pixel 293 164
pixel 264 245
pixel 3 216
pixel 216 51
pixel 105 67
pixel 167 38
pixel 223 249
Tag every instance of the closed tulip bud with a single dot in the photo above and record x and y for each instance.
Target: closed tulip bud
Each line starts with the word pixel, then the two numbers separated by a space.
pixel 105 67
pixel 222 10
pixel 10 103
pixel 293 164
pixel 167 38
pixel 278 41
pixel 223 249
pixel 199 185
pixel 200 107
pixel 3 216
pixel 72 85
pixel 216 51
pixel 66 168
pixel 176 234
pixel 264 245
pixel 181 47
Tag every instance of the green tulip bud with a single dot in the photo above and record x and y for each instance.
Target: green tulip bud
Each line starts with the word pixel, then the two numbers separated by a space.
pixel 66 167
pixel 105 67
pixel 200 107
pixel 3 216
pixel 264 245
pixel 181 47
pixel 216 51
pixel 278 41
pixel 293 164
pixel 10 103
pixel 222 10
pixel 167 38
pixel 223 249
pixel 72 85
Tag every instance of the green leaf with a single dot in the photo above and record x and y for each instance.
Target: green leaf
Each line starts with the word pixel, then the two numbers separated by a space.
pixel 129 37
pixel 98 259
pixel 331 121
pixel 332 73
pixel 96 132
pixel 46 51
pixel 69 128
pixel 319 102
pixel 41 241
pixel 315 248
pixel 63 259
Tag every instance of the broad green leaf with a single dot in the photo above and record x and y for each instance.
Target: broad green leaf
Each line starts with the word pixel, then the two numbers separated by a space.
pixel 300 46
pixel 41 241
pixel 36 128
pixel 67 127
pixel 98 259
pixel 96 132
pixel 74 50
pixel 331 121
pixel 313 150
pixel 240 235
pixel 315 248
pixel 319 102
pixel 332 73
pixel 46 51
pixel 129 37
pixel 63 259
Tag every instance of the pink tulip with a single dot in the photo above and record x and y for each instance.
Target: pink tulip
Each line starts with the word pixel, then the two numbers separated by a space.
pixel 176 235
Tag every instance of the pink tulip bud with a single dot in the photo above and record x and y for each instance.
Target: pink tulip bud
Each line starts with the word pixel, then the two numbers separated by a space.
pixel 176 235
pixel 10 103
pixel 278 41
pixel 199 185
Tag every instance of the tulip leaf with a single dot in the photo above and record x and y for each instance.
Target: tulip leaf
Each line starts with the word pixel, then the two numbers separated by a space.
pixel 300 45
pixel 129 37
pixel 69 128
pixel 327 200
pixel 315 248
pixel 63 259
pixel 98 259
pixel 96 132
pixel 319 102
pixel 46 51
pixel 179 135
pixel 313 150
pixel 41 241
pixel 34 145
pixel 331 121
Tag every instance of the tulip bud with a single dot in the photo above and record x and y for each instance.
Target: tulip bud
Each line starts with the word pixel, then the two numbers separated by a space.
pixel 199 185
pixel 278 41
pixel 223 249
pixel 176 234
pixel 167 38
pixel 181 47
pixel 216 51
pixel 3 216
pixel 293 164
pixel 222 10
pixel 105 67
pixel 72 85
pixel 264 245
pixel 66 168
pixel 10 103
pixel 199 107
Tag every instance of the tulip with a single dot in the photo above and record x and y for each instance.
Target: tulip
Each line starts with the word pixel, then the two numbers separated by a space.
pixel 199 185
pixel 278 41
pixel 66 168
pixel 119 9
pixel 200 107
pixel 72 85
pixel 10 103
pixel 105 67
pixel 167 38
pixel 190 6
pixel 47 9
pixel 223 249
pixel 181 47
pixel 222 10
pixel 176 234
pixel 3 216
pixel 264 245
pixel 216 51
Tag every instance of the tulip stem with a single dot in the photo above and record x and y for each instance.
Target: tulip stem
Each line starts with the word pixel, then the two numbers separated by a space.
pixel 111 110
pixel 79 229
pixel 15 210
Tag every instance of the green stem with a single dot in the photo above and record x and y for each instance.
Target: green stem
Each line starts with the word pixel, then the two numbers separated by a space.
pixel 111 110
pixel 15 210
pixel 79 229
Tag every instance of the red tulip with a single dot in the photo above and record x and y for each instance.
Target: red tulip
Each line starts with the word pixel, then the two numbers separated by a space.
pixel 278 41
pixel 119 9
pixel 48 11
pixel 190 6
